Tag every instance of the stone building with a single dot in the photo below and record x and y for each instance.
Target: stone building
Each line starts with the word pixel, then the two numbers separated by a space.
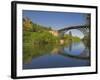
pixel 55 33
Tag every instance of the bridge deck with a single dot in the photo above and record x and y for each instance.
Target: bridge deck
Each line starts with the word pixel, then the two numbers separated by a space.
pixel 73 27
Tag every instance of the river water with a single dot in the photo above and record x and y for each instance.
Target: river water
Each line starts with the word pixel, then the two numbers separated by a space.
pixel 50 56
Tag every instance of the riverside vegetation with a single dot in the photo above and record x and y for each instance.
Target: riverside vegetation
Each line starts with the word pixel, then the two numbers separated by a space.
pixel 36 34
pixel 38 39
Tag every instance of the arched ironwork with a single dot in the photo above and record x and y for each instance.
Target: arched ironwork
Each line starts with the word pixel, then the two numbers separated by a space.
pixel 83 28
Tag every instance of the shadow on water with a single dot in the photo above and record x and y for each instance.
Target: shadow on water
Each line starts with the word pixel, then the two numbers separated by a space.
pixel 50 56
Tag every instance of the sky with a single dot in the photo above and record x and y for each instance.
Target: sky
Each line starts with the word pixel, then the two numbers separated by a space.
pixel 56 20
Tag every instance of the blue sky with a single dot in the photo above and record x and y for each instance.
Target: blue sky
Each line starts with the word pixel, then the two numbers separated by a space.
pixel 56 20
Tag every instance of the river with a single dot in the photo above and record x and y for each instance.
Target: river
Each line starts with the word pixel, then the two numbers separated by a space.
pixel 50 56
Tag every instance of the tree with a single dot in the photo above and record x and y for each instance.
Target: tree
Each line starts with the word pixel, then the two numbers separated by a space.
pixel 27 24
pixel 88 19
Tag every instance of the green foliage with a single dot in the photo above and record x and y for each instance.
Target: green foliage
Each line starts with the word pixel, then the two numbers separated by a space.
pixel 28 25
pixel 39 37
pixel 73 38
pixel 76 39
pixel 35 35
pixel 39 28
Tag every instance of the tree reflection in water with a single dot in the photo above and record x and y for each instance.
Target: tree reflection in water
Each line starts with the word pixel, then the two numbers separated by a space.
pixel 72 50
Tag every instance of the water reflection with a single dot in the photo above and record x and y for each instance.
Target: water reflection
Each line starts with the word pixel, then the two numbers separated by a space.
pixel 52 56
pixel 77 50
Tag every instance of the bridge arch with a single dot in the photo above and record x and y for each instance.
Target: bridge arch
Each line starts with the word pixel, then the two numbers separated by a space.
pixel 84 29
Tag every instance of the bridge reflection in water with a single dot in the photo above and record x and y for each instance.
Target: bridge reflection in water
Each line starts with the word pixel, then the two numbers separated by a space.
pixel 72 55
pixel 75 51
pixel 83 55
